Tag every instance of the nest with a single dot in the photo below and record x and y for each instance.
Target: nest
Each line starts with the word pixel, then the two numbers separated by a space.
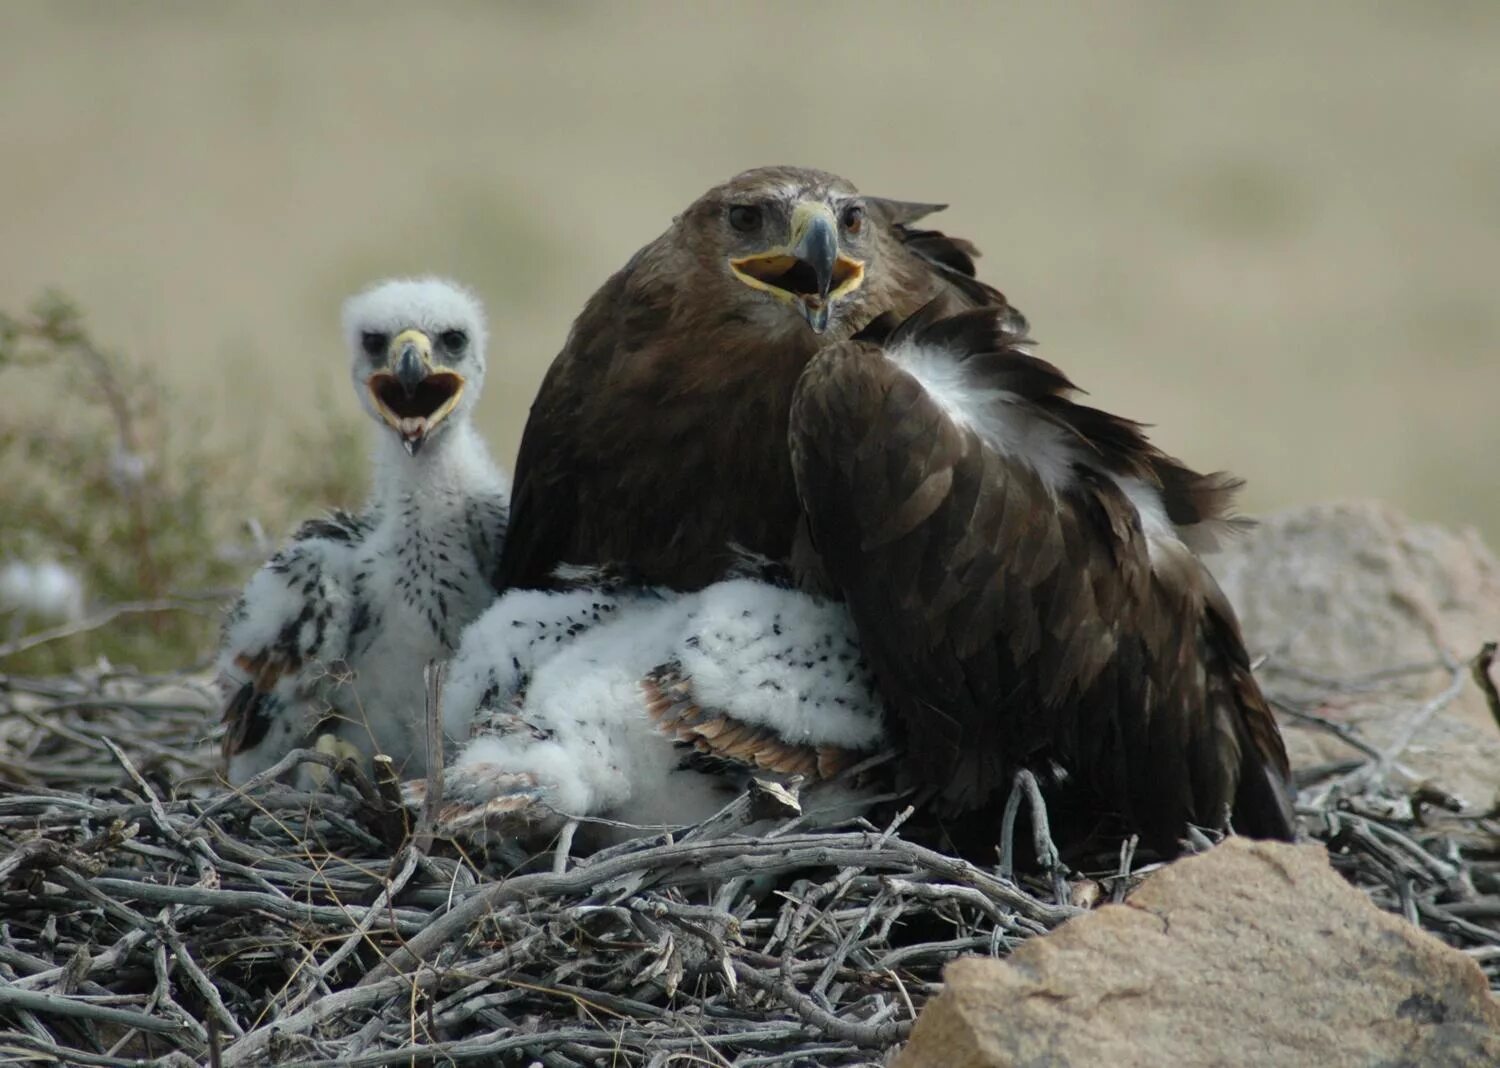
pixel 147 913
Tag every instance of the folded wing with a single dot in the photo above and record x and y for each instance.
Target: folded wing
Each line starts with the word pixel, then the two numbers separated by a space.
pixel 283 640
pixel 1019 571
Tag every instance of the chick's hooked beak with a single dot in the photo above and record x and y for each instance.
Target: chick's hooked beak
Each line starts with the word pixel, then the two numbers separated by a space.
pixel 412 394
pixel 808 271
pixel 412 361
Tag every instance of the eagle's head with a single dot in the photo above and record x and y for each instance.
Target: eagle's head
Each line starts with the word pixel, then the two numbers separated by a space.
pixel 417 355
pixel 786 244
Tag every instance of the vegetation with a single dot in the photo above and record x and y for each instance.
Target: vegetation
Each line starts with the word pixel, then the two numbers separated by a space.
pixel 106 476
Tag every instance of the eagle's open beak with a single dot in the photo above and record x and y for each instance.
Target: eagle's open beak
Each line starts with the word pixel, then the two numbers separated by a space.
pixel 808 271
pixel 412 394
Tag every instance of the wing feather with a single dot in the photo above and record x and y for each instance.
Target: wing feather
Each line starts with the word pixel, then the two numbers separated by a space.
pixel 1014 590
pixel 288 628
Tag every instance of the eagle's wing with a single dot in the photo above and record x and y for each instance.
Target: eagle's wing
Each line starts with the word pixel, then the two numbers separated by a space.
pixel 545 510
pixel 284 636
pixel 544 504
pixel 1011 561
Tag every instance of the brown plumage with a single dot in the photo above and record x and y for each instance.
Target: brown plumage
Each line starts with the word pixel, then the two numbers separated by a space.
pixel 1020 610
pixel 659 435
pixel 1031 608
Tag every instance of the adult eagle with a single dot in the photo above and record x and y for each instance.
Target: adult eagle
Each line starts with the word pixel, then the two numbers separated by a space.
pixel 1018 566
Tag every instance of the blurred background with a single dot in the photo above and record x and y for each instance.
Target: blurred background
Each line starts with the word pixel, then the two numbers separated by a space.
pixel 1272 230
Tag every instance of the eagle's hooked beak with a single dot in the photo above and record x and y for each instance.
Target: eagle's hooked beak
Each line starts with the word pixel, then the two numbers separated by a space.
pixel 808 271
pixel 411 393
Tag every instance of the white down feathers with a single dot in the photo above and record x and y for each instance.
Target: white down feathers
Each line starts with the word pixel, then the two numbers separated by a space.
pixel 551 687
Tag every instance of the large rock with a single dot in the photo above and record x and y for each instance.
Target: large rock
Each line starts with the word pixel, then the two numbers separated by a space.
pixel 1255 953
pixel 1344 590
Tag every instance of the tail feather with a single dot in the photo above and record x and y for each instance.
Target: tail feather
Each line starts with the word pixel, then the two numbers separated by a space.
pixel 1262 802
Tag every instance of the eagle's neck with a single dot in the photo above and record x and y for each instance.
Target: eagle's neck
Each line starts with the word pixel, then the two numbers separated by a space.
pixel 452 465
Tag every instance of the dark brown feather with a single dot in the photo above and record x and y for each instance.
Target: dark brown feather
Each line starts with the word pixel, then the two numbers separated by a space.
pixel 1010 624
pixel 249 710
pixel 659 435
pixel 1006 626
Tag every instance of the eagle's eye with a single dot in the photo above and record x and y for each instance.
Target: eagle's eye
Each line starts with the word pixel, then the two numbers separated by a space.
pixel 854 218
pixel 373 342
pixel 453 340
pixel 745 218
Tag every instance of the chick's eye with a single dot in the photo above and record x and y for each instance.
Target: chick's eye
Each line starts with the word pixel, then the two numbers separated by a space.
pixel 453 340
pixel 744 217
pixel 854 218
pixel 373 342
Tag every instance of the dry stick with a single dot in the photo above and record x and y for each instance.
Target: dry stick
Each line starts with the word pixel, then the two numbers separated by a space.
pixel 1041 834
pixel 870 1036
pixel 358 997
pixel 829 892
pixel 1122 873
pixel 10 1042
pixel 434 675
pixel 270 775
pixel 360 932
pixel 163 994
pixel 1372 776
pixel 249 1048
pixel 480 1048
pixel 564 847
pixel 846 944
pixel 703 859
pixel 78 1008
pixel 196 851
pixel 94 622
pixel 34 1027
pixel 402 921
pixel 1482 664
pixel 1420 719
pixel 1342 731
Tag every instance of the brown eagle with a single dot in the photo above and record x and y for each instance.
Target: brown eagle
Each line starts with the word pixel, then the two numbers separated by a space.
pixel 798 370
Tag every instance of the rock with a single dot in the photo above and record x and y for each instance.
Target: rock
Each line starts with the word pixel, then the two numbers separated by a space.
pixel 1255 953
pixel 1344 590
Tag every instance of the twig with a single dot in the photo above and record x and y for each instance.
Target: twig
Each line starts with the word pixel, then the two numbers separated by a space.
pixel 433 674
pixel 870 1036
pixel 1481 669
pixel 82 1009
pixel 99 619
pixel 128 882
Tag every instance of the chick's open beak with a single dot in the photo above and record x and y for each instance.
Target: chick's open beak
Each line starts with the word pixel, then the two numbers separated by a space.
pixel 808 271
pixel 411 393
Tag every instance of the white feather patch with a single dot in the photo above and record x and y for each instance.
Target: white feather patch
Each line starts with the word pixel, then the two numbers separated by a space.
pixel 763 655
pixel 781 659
pixel 1000 418
pixel 1151 512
